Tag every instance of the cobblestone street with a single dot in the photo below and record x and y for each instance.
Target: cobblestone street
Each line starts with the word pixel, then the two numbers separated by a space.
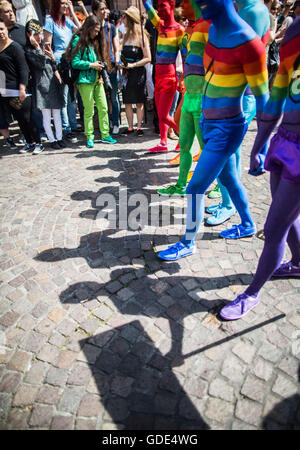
pixel 97 333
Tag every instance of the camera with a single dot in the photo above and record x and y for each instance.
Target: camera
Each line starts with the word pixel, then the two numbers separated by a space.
pixel 105 76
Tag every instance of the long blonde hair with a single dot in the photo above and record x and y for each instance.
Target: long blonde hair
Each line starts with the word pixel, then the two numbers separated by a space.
pixel 134 32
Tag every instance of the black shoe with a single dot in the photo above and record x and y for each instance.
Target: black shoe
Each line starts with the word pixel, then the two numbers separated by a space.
pixel 70 137
pixel 27 148
pixel 55 145
pixel 11 144
pixel 62 144
pixel 139 132
pixel 126 132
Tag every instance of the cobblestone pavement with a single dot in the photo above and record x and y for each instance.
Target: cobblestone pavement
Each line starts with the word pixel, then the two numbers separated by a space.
pixel 97 333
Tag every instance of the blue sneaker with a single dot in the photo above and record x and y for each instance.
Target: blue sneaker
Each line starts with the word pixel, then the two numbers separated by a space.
pixel 220 215
pixel 90 143
pixel 212 209
pixel 108 140
pixel 177 251
pixel 238 231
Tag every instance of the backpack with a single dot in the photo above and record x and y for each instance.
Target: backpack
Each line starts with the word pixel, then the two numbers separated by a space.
pixel 66 71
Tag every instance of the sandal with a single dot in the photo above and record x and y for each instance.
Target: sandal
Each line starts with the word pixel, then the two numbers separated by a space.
pixel 238 231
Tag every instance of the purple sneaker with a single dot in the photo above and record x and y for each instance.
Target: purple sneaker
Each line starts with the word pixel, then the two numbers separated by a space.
pixel 287 269
pixel 239 307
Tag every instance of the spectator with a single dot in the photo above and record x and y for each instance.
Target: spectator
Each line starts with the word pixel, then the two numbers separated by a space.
pixel 14 67
pixel 47 84
pixel 87 56
pixel 135 54
pixel 58 32
pixel 100 10
pixel 297 8
pixel 288 18
pixel 16 31
pixel 24 11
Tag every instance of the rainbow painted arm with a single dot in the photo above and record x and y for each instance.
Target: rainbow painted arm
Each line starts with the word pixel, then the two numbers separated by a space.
pixel 152 14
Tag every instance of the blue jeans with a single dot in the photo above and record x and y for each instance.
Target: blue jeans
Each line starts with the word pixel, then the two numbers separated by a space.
pixel 68 113
pixel 114 79
pixel 174 104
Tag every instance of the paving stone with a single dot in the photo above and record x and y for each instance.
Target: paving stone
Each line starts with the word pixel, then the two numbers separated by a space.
pixel 221 389
pixel 25 395
pixel 56 376
pixel 61 422
pixel 248 411
pixel 48 353
pixel 70 399
pixel 218 410
pixel 90 406
pixel 17 419
pixel 284 387
pixel 79 375
pixel 10 382
pixel 254 389
pixel 20 361
pixel 41 416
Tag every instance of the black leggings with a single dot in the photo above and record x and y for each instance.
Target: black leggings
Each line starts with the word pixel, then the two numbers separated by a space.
pixel 26 124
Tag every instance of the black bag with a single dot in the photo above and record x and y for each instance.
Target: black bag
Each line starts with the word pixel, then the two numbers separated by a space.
pixel 273 57
pixel 105 76
pixel 66 71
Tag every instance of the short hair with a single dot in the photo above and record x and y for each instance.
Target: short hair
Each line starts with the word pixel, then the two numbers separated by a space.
pixel 3 3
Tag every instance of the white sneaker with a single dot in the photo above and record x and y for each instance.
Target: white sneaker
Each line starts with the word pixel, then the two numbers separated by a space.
pixel 115 130
pixel 38 149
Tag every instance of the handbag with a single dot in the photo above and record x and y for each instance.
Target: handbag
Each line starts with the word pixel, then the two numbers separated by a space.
pixel 15 103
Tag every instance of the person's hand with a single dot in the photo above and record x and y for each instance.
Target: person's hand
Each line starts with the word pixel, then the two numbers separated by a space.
pixel 49 52
pixel 130 66
pixel 22 95
pixel 254 162
pixel 96 65
pixel 81 4
pixel 33 42
pixel 57 74
pixel 70 5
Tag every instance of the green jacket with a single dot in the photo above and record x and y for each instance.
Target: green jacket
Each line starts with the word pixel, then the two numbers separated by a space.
pixel 81 61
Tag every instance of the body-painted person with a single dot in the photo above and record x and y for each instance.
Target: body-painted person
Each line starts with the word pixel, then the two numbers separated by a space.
pixel 283 161
pixel 233 57
pixel 256 14
pixel 168 44
pixel 192 103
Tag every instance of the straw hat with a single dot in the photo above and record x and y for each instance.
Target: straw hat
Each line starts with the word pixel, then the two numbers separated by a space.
pixel 133 13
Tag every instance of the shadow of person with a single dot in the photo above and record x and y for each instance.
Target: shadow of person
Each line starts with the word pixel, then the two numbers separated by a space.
pixel 285 415
pixel 139 389
pixel 164 298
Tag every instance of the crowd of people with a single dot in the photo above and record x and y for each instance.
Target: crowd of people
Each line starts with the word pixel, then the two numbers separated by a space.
pixel 60 62
pixel 210 69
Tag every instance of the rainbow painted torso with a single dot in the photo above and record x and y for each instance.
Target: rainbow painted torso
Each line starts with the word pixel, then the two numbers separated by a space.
pixel 193 69
pixel 230 65
pixel 169 40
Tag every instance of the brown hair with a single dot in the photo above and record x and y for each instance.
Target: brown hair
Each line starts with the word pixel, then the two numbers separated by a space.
pixel 84 41
pixel 133 30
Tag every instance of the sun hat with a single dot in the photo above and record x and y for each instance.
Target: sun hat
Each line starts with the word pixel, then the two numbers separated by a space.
pixel 133 13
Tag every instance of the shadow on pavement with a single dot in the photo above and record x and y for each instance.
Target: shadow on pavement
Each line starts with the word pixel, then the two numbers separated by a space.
pixel 139 389
pixel 285 415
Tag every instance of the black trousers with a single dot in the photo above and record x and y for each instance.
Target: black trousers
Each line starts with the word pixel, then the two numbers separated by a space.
pixel 24 119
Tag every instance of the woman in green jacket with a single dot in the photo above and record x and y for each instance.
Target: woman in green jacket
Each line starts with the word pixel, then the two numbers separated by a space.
pixel 87 57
